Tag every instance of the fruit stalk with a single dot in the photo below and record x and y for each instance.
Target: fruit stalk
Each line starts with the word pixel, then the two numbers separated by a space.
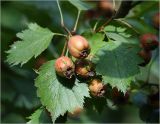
pixel 62 21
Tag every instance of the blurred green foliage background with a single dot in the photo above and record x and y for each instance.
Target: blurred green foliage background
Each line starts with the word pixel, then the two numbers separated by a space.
pixel 18 94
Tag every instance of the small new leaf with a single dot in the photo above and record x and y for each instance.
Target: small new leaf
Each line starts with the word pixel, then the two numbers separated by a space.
pixel 35 117
pixel 56 94
pixel 34 41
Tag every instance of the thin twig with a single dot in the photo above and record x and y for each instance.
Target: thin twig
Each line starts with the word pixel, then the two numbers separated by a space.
pixel 60 11
pixel 64 48
pixel 58 34
pixel 114 4
pixel 62 21
pixel 102 26
pixel 95 26
pixel 66 29
pixel 109 20
pixel 67 52
pixel 127 24
pixel 76 23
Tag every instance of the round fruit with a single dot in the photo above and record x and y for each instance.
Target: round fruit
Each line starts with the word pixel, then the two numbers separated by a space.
pixel 146 55
pixel 78 46
pixel 149 41
pixel 97 88
pixel 156 20
pixel 64 67
pixel 106 7
pixel 84 68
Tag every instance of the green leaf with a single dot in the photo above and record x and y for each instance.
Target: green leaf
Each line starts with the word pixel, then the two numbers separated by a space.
pixel 143 8
pixel 95 40
pixel 122 34
pixel 35 117
pixel 35 40
pixel 116 31
pixel 118 63
pixel 57 94
pixel 80 5
pixel 141 26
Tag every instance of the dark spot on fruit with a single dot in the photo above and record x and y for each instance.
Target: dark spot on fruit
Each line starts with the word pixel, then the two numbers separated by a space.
pixel 91 73
pixel 101 92
pixel 69 73
pixel 84 53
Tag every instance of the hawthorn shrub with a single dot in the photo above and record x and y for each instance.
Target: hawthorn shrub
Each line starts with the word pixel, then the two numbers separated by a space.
pixel 98 65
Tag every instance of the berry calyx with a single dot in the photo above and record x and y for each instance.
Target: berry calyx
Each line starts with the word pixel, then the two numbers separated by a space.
pixel 78 46
pixel 84 68
pixel 97 88
pixel 149 41
pixel 146 55
pixel 64 67
pixel 156 20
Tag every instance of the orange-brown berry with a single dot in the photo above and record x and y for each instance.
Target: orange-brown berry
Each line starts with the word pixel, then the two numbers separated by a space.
pixel 84 68
pixel 64 67
pixel 97 88
pixel 78 46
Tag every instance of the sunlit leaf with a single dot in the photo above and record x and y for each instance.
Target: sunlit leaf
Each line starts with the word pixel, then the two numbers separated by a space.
pixel 35 40
pixel 59 95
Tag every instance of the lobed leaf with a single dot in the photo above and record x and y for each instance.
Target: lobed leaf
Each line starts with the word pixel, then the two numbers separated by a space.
pixel 118 62
pixel 35 40
pixel 59 95
pixel 34 118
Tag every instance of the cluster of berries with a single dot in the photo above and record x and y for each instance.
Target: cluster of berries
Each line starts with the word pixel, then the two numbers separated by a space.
pixel 148 42
pixel 82 68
